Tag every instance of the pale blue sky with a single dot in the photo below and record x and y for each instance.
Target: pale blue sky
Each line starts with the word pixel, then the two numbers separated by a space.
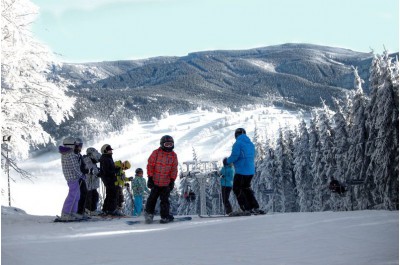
pixel 104 30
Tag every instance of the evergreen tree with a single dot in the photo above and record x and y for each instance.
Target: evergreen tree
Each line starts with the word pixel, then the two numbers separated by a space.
pixel 292 196
pixel 340 148
pixel 286 198
pixel 279 196
pixel 258 145
pixel 315 158
pixel 327 164
pixel 262 183
pixel 302 169
pixel 356 167
pixel 383 166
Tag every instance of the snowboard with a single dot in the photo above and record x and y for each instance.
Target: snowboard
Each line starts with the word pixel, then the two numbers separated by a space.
pixel 176 219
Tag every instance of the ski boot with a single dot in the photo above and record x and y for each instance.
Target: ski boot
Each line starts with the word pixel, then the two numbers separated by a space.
pixel 167 219
pixel 148 217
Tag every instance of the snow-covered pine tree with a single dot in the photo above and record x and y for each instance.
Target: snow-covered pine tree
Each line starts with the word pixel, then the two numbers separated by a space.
pixel 326 166
pixel 258 145
pixel 302 169
pixel 290 181
pixel 384 118
pixel 340 148
pixel 28 96
pixel 262 183
pixel 356 166
pixel 315 157
pixel 371 111
pixel 282 196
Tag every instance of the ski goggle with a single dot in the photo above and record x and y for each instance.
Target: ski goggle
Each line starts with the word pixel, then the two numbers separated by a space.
pixel 168 144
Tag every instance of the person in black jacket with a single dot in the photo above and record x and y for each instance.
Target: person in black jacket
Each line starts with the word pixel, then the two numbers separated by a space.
pixel 82 181
pixel 107 173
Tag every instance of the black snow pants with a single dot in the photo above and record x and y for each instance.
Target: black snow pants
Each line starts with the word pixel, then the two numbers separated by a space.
pixel 226 191
pixel 244 193
pixel 82 198
pixel 163 193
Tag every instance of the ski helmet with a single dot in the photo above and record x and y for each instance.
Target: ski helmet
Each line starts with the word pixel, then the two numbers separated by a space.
pixel 167 143
pixel 239 131
pixel 69 141
pixel 126 165
pixel 225 161
pixel 93 153
pixel 79 142
pixel 105 148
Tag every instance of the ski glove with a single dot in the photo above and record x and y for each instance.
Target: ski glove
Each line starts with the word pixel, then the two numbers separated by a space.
pixel 150 183
pixel 127 185
pixel 130 178
pixel 171 185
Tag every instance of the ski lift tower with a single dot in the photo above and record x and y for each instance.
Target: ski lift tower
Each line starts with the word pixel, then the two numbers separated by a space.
pixel 200 171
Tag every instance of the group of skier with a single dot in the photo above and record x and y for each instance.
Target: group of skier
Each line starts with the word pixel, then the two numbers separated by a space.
pixel 82 175
pixel 83 178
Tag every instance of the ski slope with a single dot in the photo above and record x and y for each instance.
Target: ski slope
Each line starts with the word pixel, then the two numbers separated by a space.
pixel 322 238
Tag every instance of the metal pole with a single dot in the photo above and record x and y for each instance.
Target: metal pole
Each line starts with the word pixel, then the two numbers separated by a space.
pixel 8 177
pixel 7 139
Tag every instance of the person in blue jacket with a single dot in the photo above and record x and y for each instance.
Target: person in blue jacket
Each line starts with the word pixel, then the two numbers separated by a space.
pixel 242 156
pixel 227 172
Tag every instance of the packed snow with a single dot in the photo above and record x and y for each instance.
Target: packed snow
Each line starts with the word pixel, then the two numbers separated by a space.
pixel 321 238
pixel 29 235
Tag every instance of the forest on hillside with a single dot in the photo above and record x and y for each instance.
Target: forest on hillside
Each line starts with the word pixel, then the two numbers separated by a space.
pixel 356 143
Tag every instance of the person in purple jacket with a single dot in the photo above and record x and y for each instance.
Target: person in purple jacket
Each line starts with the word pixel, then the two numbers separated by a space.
pixel 72 172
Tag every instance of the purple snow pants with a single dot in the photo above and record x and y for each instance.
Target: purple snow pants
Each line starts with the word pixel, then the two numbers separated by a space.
pixel 71 202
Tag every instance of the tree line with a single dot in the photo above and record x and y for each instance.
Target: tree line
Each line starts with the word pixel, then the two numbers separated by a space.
pixel 356 143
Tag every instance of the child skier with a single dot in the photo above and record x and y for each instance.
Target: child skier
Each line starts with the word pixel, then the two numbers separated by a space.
pixel 138 189
pixel 227 172
pixel 91 158
pixel 120 168
pixel 162 170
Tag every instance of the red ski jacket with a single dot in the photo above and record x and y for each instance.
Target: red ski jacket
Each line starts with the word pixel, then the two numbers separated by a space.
pixel 162 167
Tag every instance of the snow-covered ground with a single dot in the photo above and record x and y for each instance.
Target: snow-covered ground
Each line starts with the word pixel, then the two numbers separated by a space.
pixel 210 134
pixel 322 238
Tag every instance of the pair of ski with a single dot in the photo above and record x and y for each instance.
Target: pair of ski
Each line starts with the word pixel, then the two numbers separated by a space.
pixel 233 214
pixel 95 218
pixel 176 219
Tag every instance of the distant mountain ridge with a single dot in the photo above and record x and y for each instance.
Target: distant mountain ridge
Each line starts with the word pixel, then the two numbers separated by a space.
pixel 296 75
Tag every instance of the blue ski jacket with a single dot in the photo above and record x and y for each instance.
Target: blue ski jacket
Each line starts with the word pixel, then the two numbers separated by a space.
pixel 242 156
pixel 227 173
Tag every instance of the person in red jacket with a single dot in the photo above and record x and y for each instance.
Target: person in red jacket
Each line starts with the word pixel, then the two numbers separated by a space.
pixel 162 170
